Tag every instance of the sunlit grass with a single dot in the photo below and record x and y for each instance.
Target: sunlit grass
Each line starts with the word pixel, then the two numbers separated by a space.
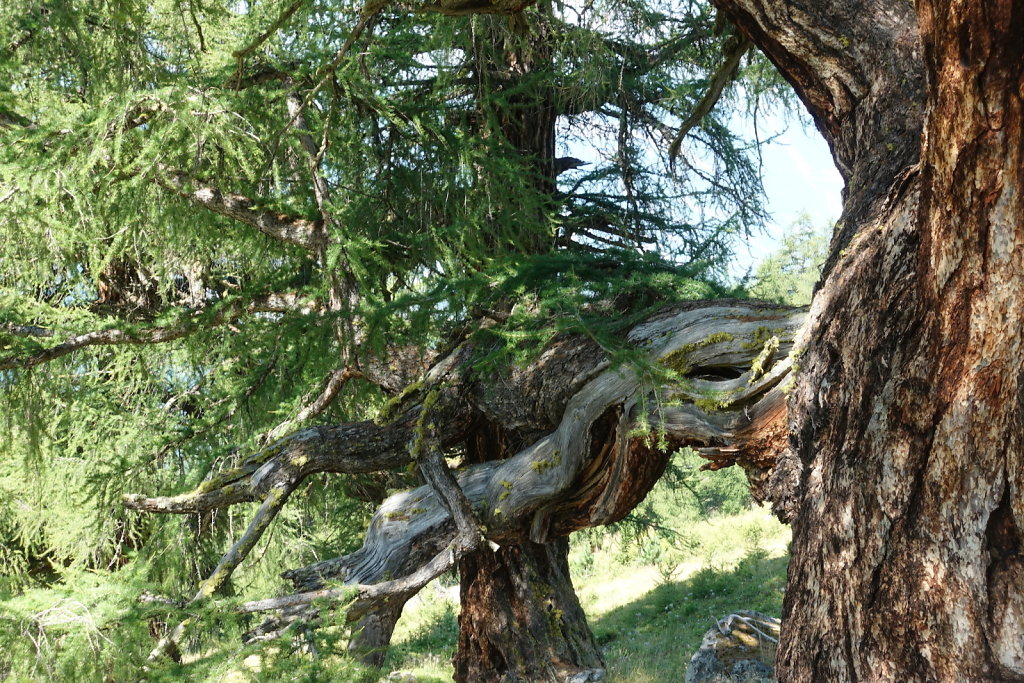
pixel 648 617
pixel 650 622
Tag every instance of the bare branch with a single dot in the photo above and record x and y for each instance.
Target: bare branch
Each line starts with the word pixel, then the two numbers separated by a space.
pixel 721 79
pixel 295 600
pixel 25 330
pixel 461 8
pixel 335 381
pixel 729 359
pixel 115 337
pixel 440 478
pixel 350 448
pixel 291 229
pixel 189 503
pixel 370 596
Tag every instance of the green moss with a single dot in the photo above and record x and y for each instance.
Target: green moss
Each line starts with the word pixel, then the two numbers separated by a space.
pixel 555 616
pixel 389 411
pixel 543 465
pixel 679 360
pixel 761 336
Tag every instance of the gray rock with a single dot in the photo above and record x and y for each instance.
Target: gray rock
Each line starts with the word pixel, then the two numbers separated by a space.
pixel 587 676
pixel 739 649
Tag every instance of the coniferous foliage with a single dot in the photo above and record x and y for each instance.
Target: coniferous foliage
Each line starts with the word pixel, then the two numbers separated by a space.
pixel 221 221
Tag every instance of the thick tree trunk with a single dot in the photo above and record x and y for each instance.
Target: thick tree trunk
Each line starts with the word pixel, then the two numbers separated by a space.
pixel 521 620
pixel 906 419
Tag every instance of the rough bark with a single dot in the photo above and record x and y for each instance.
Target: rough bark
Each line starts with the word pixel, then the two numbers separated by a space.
pixel 906 418
pixel 521 619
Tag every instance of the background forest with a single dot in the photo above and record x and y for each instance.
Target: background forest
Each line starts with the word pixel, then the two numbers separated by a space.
pixel 225 221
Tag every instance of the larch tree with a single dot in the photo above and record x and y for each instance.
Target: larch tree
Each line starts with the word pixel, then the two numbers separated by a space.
pixel 250 245
pixel 897 455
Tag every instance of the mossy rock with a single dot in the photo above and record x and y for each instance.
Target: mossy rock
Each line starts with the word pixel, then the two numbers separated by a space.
pixel 739 649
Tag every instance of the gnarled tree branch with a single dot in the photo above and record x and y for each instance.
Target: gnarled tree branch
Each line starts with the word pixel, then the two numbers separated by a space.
pixel 725 365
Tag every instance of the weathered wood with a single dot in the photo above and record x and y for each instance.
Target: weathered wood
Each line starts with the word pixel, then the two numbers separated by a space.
pixel 585 472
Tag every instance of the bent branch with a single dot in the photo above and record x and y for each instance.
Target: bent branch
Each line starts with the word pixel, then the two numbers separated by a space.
pixel 730 363
pixel 714 383
pixel 282 227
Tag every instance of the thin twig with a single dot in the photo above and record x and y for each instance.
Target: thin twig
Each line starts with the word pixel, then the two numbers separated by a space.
pixel 240 55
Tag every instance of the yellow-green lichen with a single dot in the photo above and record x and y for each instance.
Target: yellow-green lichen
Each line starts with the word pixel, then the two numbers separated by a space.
pixel 543 465
pixel 389 410
pixel 794 367
pixel 715 401
pixel 507 485
pixel 679 360
pixel 757 366
pixel 422 426
pixel 761 336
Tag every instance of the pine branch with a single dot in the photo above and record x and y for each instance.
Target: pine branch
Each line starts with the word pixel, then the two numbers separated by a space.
pixel 291 229
pixel 349 448
pixel 241 54
pixel 722 78
pixel 272 504
pixel 200 319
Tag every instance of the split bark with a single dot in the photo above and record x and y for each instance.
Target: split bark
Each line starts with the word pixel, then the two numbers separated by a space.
pixel 906 418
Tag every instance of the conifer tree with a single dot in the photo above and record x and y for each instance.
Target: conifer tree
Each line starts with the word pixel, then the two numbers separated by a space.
pixel 258 249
